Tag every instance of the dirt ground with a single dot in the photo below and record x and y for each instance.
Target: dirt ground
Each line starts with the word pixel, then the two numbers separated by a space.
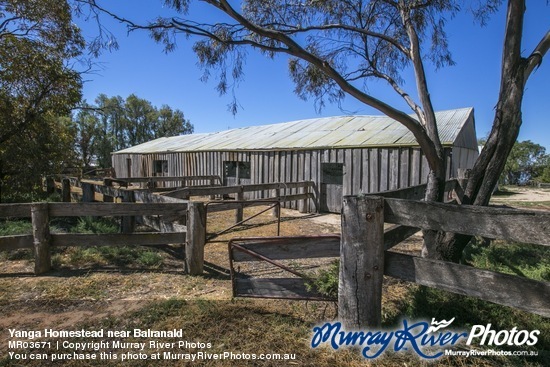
pixel 523 197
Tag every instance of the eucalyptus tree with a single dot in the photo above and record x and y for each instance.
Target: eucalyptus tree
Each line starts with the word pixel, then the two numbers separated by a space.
pixel 37 39
pixel 87 139
pixel 338 47
pixel 526 162
pixel 38 43
pixel 115 123
pixel 171 122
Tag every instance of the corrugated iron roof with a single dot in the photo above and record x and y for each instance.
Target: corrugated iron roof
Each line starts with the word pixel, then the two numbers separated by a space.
pixel 327 132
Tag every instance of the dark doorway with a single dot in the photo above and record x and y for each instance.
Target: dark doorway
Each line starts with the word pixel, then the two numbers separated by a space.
pixel 332 182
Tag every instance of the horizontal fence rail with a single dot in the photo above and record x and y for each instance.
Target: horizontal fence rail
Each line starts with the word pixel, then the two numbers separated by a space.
pixel 508 290
pixel 8 243
pixel 170 178
pixel 527 226
pixel 224 190
pixel 95 209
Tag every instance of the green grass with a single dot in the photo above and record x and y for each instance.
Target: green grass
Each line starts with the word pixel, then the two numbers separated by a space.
pixel 326 281
pixel 531 204
pixel 15 227
pixel 119 256
pixel 92 225
pixel 124 256
pixel 530 261
pixel 12 228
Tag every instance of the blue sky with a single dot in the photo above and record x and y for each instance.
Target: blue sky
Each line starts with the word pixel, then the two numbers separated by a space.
pixel 266 95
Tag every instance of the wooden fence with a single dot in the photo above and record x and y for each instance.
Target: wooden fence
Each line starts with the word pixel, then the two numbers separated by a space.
pixel 137 206
pixel 42 240
pixel 277 191
pixel 158 183
pixel 72 189
pixel 365 256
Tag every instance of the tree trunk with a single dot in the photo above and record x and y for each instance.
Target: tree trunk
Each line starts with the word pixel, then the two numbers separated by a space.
pixel 434 192
pixel 490 164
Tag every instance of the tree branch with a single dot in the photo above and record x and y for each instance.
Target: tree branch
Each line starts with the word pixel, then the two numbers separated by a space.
pixel 427 116
pixel 412 104
pixel 535 59
pixel 295 30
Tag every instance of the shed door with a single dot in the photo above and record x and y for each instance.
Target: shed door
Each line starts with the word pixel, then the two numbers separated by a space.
pixel 332 182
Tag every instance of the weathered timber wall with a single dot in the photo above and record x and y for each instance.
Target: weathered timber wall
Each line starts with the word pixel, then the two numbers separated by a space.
pixel 366 170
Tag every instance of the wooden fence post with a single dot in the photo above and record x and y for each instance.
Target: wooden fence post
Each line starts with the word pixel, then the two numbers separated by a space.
pixel 66 190
pixel 302 204
pixel 109 183
pixel 239 210
pixel 50 185
pixel 277 208
pixel 88 194
pixel 316 198
pixel 212 197
pixel 128 222
pixel 41 238
pixel 196 238
pixel 361 262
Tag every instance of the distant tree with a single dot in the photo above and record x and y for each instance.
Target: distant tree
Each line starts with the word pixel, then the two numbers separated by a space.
pixel 545 174
pixel 118 123
pixel 87 126
pixel 171 122
pixel 338 48
pixel 526 161
pixel 140 120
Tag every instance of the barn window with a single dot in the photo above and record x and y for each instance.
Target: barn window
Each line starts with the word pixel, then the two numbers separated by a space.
pixel 128 167
pixel 332 173
pixel 230 169
pixel 160 167
pixel 236 169
pixel 244 169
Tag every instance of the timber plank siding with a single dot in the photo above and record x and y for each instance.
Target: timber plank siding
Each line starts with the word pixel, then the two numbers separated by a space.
pixel 365 170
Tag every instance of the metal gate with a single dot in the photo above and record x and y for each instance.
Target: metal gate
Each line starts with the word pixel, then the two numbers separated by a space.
pixel 280 253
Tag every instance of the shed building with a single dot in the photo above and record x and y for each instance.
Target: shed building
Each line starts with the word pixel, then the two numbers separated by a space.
pixel 344 155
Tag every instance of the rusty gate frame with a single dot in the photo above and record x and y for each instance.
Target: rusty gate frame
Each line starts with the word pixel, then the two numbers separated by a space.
pixel 234 246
